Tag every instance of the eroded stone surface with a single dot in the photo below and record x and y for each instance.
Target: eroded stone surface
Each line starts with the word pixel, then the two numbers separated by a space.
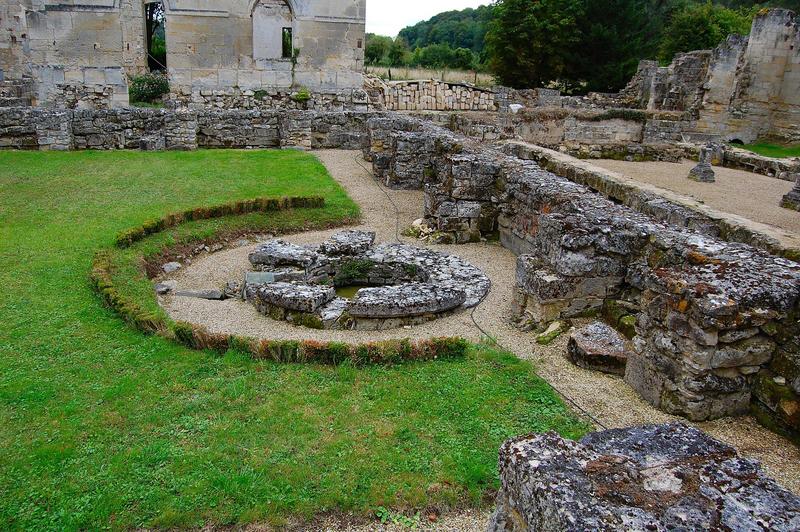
pixel 660 477
pixel 277 253
pixel 404 285
pixel 598 347
pixel 407 300
pixel 299 297
pixel 348 243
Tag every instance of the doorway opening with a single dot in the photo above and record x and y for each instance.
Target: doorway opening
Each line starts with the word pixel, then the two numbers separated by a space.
pixel 155 36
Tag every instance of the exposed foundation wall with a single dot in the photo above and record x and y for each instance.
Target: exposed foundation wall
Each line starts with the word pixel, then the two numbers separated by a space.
pixel 716 318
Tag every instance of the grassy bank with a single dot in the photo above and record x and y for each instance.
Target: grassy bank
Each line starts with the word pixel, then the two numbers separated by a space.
pixel 773 150
pixel 104 427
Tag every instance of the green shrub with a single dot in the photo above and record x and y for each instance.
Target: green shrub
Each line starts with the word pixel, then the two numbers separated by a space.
pixel 301 96
pixel 148 88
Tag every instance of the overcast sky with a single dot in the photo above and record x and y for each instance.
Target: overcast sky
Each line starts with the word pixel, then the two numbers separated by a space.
pixel 388 17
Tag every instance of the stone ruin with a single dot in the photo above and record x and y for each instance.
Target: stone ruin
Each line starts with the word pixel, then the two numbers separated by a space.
pixel 717 331
pixel 665 477
pixel 703 172
pixel 395 285
pixel 792 199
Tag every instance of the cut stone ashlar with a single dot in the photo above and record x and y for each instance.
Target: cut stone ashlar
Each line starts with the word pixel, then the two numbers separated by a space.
pixel 598 347
pixel 277 253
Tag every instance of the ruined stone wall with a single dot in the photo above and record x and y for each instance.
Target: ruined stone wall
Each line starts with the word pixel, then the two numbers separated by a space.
pixel 746 88
pixel 713 314
pixel 38 128
pixel 271 98
pixel 214 45
pixel 67 43
pixel 211 45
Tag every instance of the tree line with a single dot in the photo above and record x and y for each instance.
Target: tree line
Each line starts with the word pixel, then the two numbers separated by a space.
pixel 574 45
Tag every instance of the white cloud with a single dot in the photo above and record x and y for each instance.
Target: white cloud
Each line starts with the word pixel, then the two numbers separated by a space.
pixel 388 17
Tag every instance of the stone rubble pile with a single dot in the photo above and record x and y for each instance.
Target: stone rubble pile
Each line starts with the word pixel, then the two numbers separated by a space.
pixel 660 477
pixel 402 285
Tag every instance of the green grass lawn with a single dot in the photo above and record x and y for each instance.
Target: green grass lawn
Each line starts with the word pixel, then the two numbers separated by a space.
pixel 773 150
pixel 103 427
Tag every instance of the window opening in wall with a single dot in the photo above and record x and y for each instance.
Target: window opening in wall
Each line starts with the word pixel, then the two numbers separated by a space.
pixel 272 30
pixel 287 43
pixel 155 36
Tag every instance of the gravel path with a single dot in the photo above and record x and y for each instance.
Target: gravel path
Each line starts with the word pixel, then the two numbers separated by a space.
pixel 754 196
pixel 607 398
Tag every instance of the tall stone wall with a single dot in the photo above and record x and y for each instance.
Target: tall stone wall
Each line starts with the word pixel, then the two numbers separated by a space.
pixel 63 44
pixel 75 47
pixel 746 88
pixel 214 45
pixel 714 317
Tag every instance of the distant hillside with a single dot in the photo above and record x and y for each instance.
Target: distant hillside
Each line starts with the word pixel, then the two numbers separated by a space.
pixel 458 29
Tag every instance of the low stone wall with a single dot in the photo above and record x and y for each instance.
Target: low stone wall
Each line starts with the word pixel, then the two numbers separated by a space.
pixel 37 128
pixel 713 314
pixel 433 95
pixel 662 205
pixel 270 99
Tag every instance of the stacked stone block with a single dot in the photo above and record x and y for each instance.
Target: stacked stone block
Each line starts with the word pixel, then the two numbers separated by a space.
pixel 46 129
pixel 432 95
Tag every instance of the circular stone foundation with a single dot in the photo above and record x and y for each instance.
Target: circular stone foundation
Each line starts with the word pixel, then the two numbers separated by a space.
pixel 392 285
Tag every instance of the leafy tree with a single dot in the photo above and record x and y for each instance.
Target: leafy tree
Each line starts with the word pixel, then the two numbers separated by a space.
pixel 377 48
pixel 154 34
pixel 399 54
pixel 702 27
pixel 615 35
pixel 533 42
pixel 458 29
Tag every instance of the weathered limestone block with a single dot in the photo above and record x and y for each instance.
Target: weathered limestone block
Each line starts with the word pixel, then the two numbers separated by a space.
pixel 792 199
pixel 280 253
pixel 703 172
pixel 290 296
pixel 348 243
pixel 414 299
pixel 543 295
pixel 598 347
pixel 659 477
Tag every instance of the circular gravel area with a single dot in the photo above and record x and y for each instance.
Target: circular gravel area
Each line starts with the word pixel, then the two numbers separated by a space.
pixel 606 397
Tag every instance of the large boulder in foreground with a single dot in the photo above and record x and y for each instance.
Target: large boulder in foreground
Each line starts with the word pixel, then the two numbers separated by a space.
pixel 659 477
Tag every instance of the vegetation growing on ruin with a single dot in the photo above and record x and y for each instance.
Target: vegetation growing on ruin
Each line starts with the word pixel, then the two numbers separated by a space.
pixel 148 88
pixel 773 150
pixel 102 426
